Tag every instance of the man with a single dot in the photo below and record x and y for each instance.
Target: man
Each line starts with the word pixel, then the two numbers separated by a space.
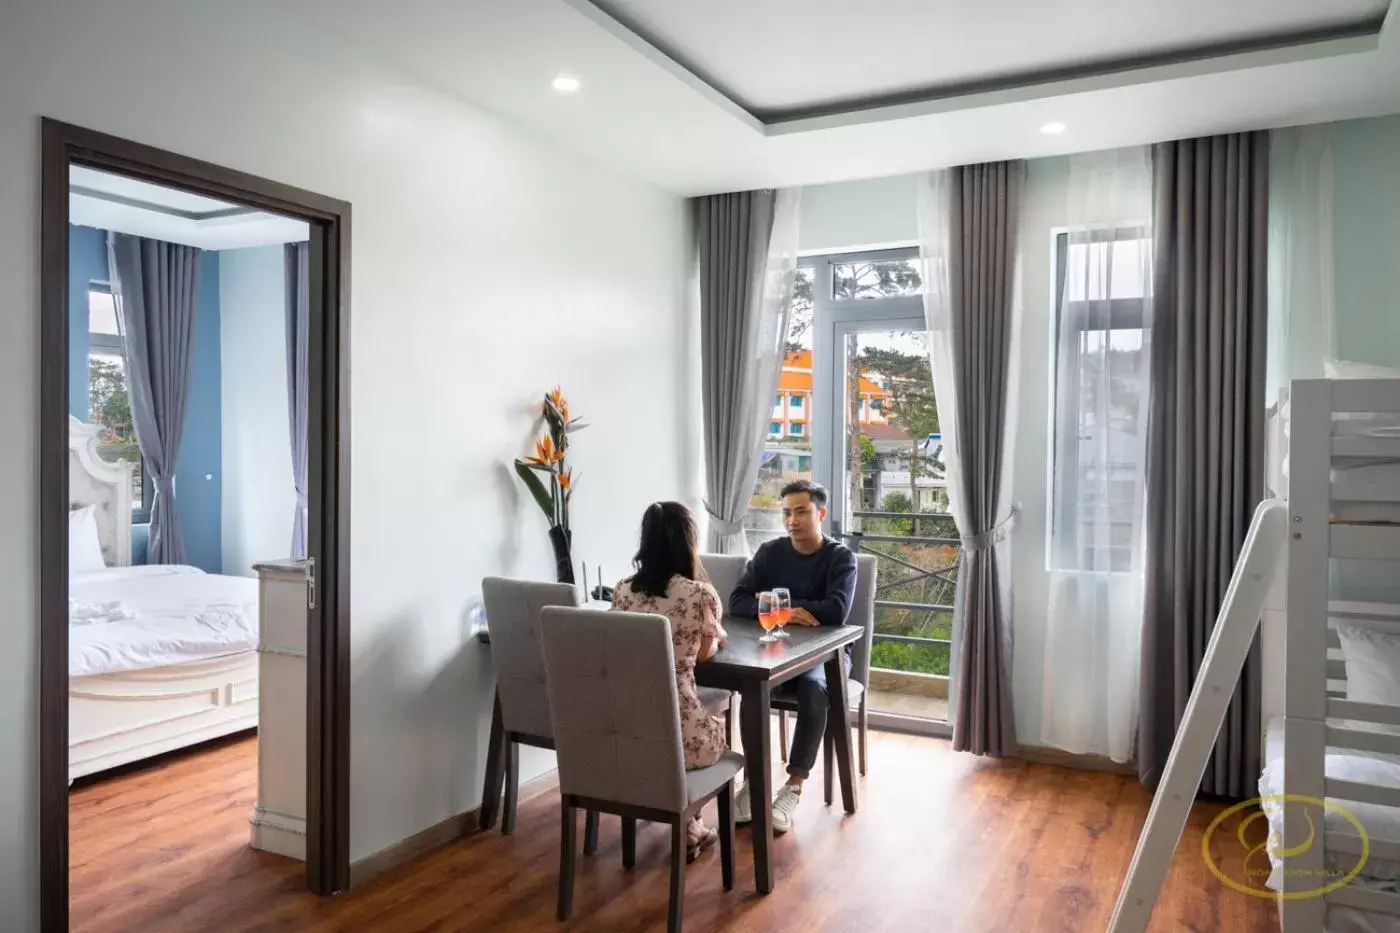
pixel 820 574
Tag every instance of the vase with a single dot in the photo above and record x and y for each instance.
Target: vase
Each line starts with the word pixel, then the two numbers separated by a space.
pixel 563 553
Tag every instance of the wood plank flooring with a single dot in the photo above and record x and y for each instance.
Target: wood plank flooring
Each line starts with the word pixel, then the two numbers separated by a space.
pixel 943 842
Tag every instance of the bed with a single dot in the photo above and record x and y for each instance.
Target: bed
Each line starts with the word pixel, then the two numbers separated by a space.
pixel 1335 732
pixel 160 657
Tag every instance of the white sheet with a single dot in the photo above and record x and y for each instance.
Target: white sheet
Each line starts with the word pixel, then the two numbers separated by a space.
pixel 1380 823
pixel 182 614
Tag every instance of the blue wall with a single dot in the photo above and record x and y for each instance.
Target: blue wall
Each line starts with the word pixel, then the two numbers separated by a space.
pixel 201 449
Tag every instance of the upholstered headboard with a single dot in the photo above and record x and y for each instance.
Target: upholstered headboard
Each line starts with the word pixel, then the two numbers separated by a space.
pixel 103 483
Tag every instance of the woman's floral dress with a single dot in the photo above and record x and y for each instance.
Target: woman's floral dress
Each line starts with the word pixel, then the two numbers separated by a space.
pixel 693 608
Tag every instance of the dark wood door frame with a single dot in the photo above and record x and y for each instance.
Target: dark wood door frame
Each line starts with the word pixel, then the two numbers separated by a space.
pixel 328 650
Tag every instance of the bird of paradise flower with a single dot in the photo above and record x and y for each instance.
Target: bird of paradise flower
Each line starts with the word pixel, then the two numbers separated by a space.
pixel 553 494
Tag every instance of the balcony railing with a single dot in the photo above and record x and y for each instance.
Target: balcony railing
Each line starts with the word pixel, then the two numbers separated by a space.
pixel 915 587
pixel 917 556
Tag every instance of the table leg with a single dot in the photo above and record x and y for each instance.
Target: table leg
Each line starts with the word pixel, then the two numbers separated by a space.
pixel 755 714
pixel 839 718
pixel 495 773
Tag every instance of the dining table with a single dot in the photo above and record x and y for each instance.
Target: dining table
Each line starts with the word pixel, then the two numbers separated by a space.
pixel 754 669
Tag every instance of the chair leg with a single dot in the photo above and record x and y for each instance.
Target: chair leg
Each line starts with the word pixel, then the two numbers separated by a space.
pixel 629 842
pixel 512 786
pixel 828 767
pixel 566 861
pixel 864 732
pixel 726 835
pixel 782 734
pixel 678 840
pixel 590 832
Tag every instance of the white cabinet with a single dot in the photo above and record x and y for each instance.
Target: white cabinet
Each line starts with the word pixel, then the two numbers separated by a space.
pixel 279 817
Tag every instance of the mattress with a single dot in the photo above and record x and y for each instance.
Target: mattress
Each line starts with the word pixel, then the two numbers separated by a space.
pixel 1380 823
pixel 137 618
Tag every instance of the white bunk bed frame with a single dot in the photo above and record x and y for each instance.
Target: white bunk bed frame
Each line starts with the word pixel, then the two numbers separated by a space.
pixel 119 718
pixel 1311 530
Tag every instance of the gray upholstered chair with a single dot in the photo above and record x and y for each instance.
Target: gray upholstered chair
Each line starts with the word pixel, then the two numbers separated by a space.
pixel 617 728
pixel 521 715
pixel 857 687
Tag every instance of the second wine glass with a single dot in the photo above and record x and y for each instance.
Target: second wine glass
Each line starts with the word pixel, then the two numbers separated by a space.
pixel 782 608
pixel 767 616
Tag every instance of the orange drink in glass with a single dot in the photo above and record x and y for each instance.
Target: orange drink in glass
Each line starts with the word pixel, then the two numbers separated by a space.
pixel 783 612
pixel 767 616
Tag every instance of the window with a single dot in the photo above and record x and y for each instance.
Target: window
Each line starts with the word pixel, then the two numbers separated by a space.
pixel 795 430
pixel 109 400
pixel 880 278
pixel 795 402
pixel 1100 405
pixel 775 429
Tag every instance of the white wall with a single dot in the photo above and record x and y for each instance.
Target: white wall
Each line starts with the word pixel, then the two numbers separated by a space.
pixel 258 496
pixel 487 266
pixel 865 214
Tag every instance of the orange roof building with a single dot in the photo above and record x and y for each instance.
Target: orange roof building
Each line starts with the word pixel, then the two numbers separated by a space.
pixel 792 407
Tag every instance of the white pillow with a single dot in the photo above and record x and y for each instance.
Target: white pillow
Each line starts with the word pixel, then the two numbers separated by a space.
pixel 84 546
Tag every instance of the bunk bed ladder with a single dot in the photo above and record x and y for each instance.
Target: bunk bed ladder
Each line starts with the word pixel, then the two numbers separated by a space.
pixel 1238 620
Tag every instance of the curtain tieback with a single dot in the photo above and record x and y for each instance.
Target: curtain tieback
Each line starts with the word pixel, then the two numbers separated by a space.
pixel 723 526
pixel 993 536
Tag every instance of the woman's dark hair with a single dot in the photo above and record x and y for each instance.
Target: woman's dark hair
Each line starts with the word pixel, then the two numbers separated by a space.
pixel 668 548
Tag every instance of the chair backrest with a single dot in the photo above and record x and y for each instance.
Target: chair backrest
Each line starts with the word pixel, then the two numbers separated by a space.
pixel 513 619
pixel 612 695
pixel 724 571
pixel 863 614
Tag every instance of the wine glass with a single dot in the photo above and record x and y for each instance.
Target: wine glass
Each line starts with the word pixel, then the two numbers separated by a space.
pixel 767 616
pixel 783 606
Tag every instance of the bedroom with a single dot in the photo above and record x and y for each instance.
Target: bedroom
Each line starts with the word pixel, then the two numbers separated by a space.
pixel 181 480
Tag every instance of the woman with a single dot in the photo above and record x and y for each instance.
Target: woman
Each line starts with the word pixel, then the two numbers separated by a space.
pixel 671 582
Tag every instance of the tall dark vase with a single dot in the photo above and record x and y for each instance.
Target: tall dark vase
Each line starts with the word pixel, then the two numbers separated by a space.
pixel 563 553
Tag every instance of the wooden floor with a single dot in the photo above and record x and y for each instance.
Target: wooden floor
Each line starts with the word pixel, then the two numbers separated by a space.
pixel 943 842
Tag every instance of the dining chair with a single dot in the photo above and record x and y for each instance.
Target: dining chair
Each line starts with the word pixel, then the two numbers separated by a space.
pixel 616 713
pixel 724 571
pixel 857 685
pixel 521 715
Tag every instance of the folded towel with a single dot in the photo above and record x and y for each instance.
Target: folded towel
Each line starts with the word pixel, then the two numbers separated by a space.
pixel 80 613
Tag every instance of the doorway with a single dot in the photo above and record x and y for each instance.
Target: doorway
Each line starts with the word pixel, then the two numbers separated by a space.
pixel 68 148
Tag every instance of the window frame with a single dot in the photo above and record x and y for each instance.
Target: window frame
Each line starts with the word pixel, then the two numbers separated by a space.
pixel 1083 316
pixel 106 345
pixel 833 320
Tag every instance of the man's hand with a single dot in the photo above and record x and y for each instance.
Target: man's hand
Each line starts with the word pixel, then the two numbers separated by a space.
pixel 803 617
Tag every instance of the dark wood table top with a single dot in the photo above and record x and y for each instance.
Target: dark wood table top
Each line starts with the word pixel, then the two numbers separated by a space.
pixel 743 654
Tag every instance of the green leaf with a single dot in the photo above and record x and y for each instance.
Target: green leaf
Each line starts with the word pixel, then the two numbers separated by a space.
pixel 532 483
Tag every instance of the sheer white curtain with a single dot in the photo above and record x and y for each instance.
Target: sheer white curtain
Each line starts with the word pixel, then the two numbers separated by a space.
pixel 1094 624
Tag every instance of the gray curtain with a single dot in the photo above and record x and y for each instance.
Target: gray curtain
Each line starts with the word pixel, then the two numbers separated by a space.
pixel 744 308
pixel 984 213
pixel 155 285
pixel 1205 443
pixel 298 347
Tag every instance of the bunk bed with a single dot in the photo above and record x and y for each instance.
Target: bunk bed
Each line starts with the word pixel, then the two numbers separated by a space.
pixel 1338 737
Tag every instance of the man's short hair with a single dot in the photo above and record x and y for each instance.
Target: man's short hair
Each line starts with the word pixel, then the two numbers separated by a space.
pixel 815 490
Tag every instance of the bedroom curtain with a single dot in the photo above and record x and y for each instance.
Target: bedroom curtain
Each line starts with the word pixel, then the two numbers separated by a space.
pixel 1089 697
pixel 969 231
pixel 298 348
pixel 748 261
pixel 1205 445
pixel 154 285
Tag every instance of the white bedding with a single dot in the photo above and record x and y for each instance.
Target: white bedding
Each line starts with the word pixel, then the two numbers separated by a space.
pixel 157 616
pixel 1380 823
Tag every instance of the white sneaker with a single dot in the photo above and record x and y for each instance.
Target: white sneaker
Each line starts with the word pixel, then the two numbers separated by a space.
pixel 785 808
pixel 743 808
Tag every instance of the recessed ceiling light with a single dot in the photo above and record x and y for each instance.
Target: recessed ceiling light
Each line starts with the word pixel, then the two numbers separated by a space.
pixel 565 84
pixel 1053 129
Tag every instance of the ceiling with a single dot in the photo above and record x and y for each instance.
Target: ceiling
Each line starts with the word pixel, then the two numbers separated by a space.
pixel 128 205
pixel 732 94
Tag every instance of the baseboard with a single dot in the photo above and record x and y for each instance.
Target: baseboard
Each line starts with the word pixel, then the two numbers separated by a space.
pixel 450 830
pixel 1042 755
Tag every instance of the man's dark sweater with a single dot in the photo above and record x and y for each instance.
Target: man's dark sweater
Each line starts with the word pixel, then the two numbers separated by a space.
pixel 823 583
